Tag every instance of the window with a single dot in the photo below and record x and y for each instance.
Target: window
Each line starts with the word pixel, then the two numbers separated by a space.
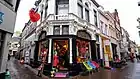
pixel 95 17
pixel 80 10
pixel 62 6
pixel 41 15
pixel 61 53
pixel 46 8
pixel 97 38
pixel 65 29
pixel 105 29
pixel 56 30
pixel 80 0
pixel 9 2
pixel 63 9
pixel 101 28
pixel 62 1
pixel 87 14
pixel 82 49
pixel 16 45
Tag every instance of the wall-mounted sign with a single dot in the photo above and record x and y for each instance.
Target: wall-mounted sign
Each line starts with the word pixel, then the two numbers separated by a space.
pixel 1 17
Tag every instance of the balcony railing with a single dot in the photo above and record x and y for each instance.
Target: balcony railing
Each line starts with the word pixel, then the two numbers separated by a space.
pixel 61 17
pixel 69 16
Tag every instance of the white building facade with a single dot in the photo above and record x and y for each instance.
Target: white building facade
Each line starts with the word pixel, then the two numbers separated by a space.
pixel 68 27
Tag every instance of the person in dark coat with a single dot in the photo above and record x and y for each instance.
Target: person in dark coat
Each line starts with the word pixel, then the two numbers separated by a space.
pixel 9 57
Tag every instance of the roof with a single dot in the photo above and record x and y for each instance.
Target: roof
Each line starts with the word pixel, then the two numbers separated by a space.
pixel 103 14
pixel 95 3
pixel 110 14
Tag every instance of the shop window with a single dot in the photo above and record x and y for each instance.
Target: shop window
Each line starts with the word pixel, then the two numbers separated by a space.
pixel 83 51
pixel 43 51
pixel 60 54
pixel 65 29
pixel 56 30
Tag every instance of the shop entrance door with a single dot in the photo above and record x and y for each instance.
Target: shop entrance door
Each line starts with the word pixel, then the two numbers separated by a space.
pixel 61 54
pixel 98 51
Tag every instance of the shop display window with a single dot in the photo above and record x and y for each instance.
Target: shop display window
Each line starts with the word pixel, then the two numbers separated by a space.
pixel 60 54
pixel 83 51
pixel 43 51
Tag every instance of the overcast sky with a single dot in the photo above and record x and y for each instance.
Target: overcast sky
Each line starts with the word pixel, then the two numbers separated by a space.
pixel 128 12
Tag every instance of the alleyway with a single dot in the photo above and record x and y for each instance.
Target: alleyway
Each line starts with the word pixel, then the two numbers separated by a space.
pixel 132 71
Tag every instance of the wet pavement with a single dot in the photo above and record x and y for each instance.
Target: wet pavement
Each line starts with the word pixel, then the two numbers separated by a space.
pixel 132 71
pixel 18 71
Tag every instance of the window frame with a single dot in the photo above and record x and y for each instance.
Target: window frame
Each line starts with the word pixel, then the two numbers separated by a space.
pixel 63 29
pixel 46 9
pixel 106 29
pixel 55 30
pixel 101 26
pixel 81 8
pixel 95 18
pixel 87 17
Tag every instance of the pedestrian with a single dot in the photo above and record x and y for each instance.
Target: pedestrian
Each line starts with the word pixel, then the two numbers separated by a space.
pixel 7 74
pixel 39 70
pixel 9 56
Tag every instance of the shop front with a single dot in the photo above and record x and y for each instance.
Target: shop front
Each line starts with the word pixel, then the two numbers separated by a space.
pixel 59 53
pixel 106 51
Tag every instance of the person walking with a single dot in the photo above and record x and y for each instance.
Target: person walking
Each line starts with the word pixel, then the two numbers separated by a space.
pixel 39 70
pixel 9 56
pixel 7 74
